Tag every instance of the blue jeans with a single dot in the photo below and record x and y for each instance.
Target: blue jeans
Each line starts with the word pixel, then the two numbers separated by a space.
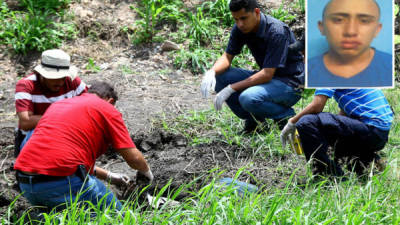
pixel 27 136
pixel 271 100
pixel 57 193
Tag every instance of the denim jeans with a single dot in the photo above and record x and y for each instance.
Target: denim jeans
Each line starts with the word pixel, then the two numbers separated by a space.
pixel 272 100
pixel 57 193
pixel 27 136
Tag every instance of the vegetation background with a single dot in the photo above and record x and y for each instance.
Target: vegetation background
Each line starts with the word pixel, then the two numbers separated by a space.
pixel 203 30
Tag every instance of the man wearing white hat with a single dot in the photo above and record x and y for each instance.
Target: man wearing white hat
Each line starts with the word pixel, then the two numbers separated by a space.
pixel 53 80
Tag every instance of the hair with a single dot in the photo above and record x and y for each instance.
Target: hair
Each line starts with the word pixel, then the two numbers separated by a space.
pixel 103 90
pixel 327 4
pixel 247 5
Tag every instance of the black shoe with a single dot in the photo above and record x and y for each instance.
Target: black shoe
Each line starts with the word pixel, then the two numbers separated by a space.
pixel 250 126
pixel 281 122
pixel 380 164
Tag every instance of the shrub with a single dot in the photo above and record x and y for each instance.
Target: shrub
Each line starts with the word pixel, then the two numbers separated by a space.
pixel 35 29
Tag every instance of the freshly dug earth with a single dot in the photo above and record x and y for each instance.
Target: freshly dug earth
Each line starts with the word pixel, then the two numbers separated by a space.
pixel 171 159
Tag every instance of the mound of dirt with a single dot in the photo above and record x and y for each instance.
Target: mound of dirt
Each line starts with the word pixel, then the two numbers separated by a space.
pixel 172 159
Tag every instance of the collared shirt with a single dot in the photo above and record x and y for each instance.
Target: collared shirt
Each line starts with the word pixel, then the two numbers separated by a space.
pixel 31 96
pixel 72 132
pixel 269 46
pixel 367 105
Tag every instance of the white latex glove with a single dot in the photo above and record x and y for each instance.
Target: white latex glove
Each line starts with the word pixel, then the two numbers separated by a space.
pixel 287 133
pixel 118 179
pixel 222 96
pixel 208 83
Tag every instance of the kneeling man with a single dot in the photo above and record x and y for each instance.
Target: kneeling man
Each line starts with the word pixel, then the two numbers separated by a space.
pixel 51 169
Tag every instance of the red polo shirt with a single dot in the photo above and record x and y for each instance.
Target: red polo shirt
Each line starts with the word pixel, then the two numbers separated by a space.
pixel 72 132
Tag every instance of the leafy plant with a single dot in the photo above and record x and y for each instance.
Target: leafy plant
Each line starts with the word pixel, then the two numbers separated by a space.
pixel 43 5
pixel 301 5
pixel 202 28
pixel 282 14
pixel 219 10
pixel 32 30
pixel 197 60
pixel 396 37
pixel 91 65
pixel 150 12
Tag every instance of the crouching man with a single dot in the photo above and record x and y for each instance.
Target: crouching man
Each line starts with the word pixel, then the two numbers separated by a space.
pixel 359 131
pixel 72 133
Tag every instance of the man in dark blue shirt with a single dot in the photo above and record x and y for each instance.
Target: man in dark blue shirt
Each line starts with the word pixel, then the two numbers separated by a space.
pixel 269 92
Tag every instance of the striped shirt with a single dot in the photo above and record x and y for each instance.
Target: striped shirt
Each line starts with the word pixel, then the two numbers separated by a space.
pixel 31 96
pixel 367 105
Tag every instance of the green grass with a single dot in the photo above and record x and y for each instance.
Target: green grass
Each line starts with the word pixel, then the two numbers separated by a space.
pixel 371 201
pixel 353 202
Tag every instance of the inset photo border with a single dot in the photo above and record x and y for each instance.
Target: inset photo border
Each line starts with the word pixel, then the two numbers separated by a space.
pixel 349 44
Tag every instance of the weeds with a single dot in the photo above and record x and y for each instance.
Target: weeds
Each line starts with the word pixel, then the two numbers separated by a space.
pixel 92 67
pixel 45 5
pixel 374 201
pixel 150 12
pixel 219 10
pixel 396 12
pixel 34 29
pixel 282 14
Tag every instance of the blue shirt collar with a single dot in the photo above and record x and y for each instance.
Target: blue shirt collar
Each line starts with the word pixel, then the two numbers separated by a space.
pixel 262 26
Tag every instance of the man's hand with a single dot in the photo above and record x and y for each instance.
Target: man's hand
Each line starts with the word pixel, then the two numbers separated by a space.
pixel 144 177
pixel 208 83
pixel 222 96
pixel 117 179
pixel 287 133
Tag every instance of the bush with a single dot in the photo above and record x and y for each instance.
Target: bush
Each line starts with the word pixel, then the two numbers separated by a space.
pixel 34 29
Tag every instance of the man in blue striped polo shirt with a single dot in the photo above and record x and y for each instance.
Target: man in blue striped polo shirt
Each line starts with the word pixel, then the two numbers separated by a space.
pixel 359 131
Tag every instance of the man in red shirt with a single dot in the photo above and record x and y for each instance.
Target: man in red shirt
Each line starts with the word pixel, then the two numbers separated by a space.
pixel 53 80
pixel 69 137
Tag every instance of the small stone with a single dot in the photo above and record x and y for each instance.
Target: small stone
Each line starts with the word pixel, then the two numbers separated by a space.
pixel 169 46
pixel 145 146
pixel 104 66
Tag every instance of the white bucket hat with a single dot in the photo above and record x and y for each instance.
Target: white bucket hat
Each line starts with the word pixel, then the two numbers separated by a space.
pixel 56 64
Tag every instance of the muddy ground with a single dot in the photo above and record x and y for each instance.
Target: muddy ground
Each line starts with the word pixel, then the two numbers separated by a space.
pixel 150 89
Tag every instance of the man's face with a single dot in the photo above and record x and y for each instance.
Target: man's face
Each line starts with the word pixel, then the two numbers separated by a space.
pixel 247 21
pixel 53 85
pixel 350 26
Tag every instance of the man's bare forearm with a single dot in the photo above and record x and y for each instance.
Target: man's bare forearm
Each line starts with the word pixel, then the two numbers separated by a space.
pixel 261 77
pixel 101 173
pixel 134 158
pixel 28 121
pixel 223 63
pixel 316 106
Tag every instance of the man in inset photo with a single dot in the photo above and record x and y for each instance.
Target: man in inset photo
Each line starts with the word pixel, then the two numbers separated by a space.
pixel 356 51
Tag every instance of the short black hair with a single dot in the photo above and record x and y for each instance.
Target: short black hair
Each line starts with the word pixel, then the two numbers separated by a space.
pixel 103 90
pixel 247 5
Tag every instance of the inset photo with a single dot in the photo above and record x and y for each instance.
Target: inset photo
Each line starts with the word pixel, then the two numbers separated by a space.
pixel 349 44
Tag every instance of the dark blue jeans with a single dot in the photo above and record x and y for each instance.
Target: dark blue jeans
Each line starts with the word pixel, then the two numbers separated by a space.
pixel 271 100
pixel 57 193
pixel 348 137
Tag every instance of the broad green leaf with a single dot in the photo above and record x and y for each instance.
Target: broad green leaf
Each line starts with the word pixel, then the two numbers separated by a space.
pixel 396 39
